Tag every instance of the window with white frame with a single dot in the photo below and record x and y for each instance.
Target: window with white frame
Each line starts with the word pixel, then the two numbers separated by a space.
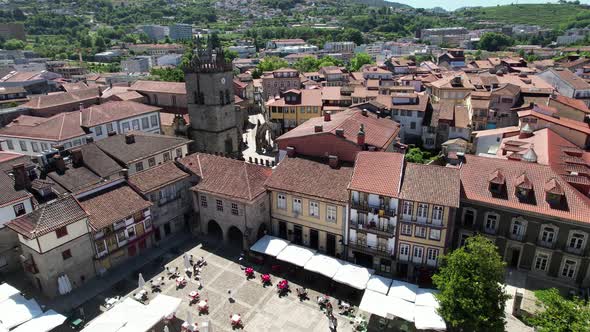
pixel 576 241
pixel 407 229
pixel 167 156
pixel 154 120
pixel 9 144
pixel 314 209
pixel 468 217
pixel 109 128
pixel 281 201
pixel 23 145
pixel 135 124
pixel 98 130
pixel 568 268
pixel 491 223
pixel 219 205
pixel 297 205
pixel 422 211
pixel 437 213
pixel 541 261
pixel 404 249
pixel 131 232
pixel 125 126
pixel 204 201
pixel 418 254
pixel 432 254
pixel 35 146
pixel 121 235
pixel 420 232
pixel 518 229
pixel 434 234
pixel 548 234
pixel 407 208
pixel 234 209
pixel 145 123
pixel 331 213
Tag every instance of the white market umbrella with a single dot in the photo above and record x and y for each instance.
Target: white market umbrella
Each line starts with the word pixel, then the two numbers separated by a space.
pixel 166 329
pixel 187 263
pixel 68 284
pixel 140 282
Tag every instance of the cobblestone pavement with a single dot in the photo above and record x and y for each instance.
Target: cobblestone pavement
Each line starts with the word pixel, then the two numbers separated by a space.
pixel 261 308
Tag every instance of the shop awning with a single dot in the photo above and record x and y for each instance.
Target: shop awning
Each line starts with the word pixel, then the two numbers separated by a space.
pixel 324 265
pixel 44 323
pixel 403 290
pixel 428 319
pixel 353 276
pixel 7 291
pixel 296 255
pixel 425 297
pixel 379 284
pixel 17 310
pixel 374 303
pixel 158 308
pixel 403 309
pixel 114 319
pixel 269 245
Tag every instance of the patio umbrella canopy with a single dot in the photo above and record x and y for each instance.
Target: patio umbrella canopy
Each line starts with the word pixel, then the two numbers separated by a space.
pixel 140 281
pixel 7 291
pixel 425 297
pixel 428 319
pixel 44 323
pixel 324 265
pixel 379 284
pixel 296 255
pixel 17 310
pixel 374 303
pixel 269 245
pixel 403 309
pixel 403 290
pixel 353 275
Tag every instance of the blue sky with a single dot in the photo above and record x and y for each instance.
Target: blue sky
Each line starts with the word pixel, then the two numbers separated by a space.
pixel 454 4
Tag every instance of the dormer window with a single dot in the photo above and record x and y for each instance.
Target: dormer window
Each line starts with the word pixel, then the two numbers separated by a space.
pixel 497 182
pixel 554 192
pixel 524 187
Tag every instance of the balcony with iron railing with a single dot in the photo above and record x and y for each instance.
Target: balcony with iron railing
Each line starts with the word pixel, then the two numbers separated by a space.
pixel 574 250
pixel 381 210
pixel 383 228
pixel 372 250
pixel 516 236
pixel 546 244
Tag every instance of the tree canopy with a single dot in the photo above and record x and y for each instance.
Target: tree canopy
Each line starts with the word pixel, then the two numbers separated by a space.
pixel 359 60
pixel 14 44
pixel 494 41
pixel 269 64
pixel 559 314
pixel 470 282
pixel 309 63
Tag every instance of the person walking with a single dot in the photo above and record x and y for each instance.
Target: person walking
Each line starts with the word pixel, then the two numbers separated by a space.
pixel 229 296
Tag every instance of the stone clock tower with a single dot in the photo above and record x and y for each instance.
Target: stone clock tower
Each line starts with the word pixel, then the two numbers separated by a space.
pixel 215 122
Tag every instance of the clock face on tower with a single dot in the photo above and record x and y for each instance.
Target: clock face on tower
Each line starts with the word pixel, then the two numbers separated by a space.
pixel 223 80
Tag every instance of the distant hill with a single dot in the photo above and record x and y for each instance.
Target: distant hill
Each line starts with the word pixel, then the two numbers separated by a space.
pixel 381 3
pixel 545 15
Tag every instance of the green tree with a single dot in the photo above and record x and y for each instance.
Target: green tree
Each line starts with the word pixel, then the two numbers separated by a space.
pixel 269 64
pixel 559 314
pixel 494 41
pixel 230 55
pixel 360 60
pixel 14 44
pixel 306 64
pixel 470 279
pixel 99 43
pixel 168 74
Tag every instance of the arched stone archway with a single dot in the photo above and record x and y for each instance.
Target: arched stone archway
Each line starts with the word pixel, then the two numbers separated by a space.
pixel 235 237
pixel 214 230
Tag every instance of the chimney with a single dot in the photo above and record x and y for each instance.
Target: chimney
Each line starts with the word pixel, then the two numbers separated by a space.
pixel 21 178
pixel 129 138
pixel 60 164
pixel 364 112
pixel 318 128
pixel 111 133
pixel 77 158
pixel 333 161
pixel 360 137
pixel 339 132
pixel 290 151
pixel 327 116
pixel 89 139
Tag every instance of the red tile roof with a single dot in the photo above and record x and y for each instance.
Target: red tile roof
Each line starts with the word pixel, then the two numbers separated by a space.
pixel 573 103
pixel 475 173
pixel 113 111
pixel 377 172
pixel 63 98
pixel 56 128
pixel 157 177
pixel 431 184
pixel 379 132
pixel 225 176
pixel 49 217
pixel 159 86
pixel 571 124
pixel 112 205
pixel 308 177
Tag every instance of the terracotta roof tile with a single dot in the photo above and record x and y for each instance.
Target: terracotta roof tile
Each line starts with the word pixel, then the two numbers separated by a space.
pixel 475 187
pixel 56 128
pixel 159 86
pixel 157 177
pixel 311 178
pixel 113 111
pixel 145 145
pixel 225 176
pixel 431 184
pixel 573 103
pixel 377 172
pixel 379 132
pixel 112 205
pixel 63 98
pixel 49 217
